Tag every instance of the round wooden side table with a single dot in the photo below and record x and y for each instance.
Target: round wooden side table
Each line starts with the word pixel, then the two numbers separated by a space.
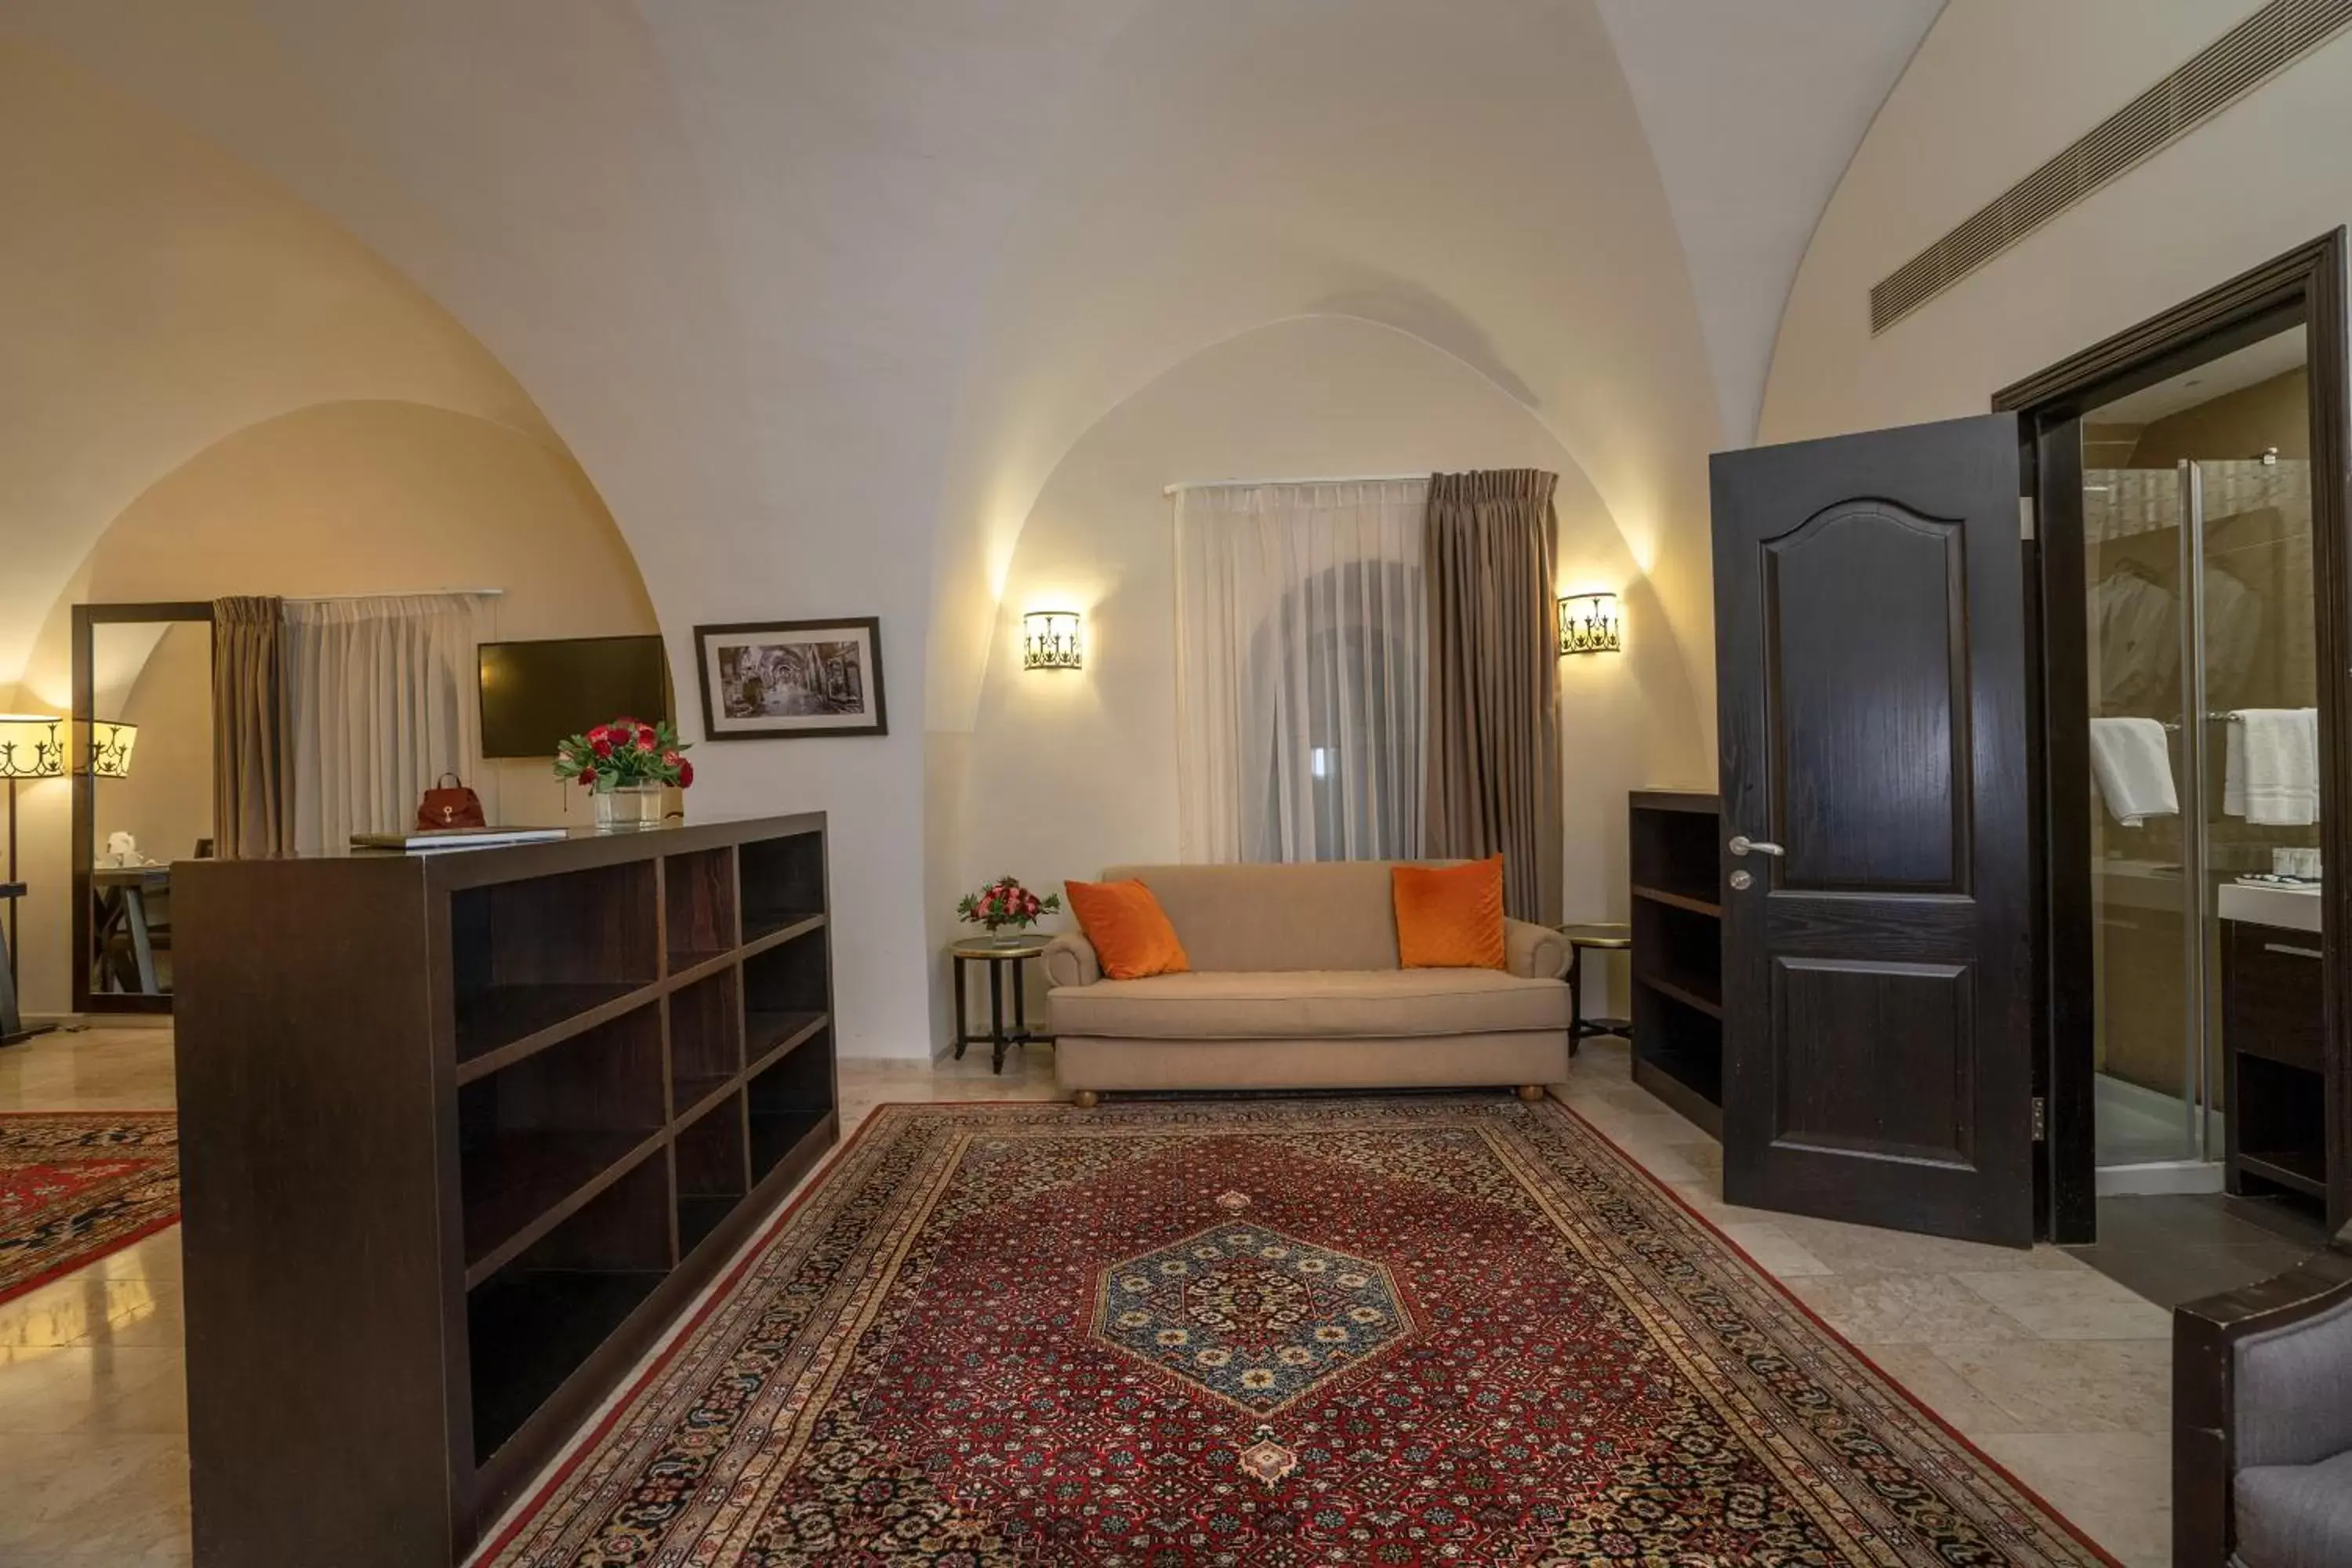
pixel 1606 936
pixel 999 954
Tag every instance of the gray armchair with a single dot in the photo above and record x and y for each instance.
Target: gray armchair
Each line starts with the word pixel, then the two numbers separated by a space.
pixel 2262 1412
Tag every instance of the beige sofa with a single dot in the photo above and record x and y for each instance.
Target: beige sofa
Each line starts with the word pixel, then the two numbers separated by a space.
pixel 1295 984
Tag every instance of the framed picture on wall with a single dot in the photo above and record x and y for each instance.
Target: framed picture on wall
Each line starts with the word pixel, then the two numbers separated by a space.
pixel 768 680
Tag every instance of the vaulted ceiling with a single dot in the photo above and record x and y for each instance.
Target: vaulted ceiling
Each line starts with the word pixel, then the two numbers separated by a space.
pixel 818 294
pixel 1752 112
pixel 817 214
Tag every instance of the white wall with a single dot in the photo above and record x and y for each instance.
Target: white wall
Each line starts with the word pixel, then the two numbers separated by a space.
pixel 2266 176
pixel 1070 771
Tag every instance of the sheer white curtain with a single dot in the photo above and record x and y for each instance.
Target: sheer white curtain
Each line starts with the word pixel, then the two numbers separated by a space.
pixel 1301 661
pixel 383 699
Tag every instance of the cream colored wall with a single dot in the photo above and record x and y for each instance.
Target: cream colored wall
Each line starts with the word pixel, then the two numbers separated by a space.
pixel 210 388
pixel 347 497
pixel 2270 414
pixel 1070 771
pixel 2263 177
pixel 156 296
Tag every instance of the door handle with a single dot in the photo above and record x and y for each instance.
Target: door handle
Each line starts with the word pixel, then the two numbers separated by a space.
pixel 1741 843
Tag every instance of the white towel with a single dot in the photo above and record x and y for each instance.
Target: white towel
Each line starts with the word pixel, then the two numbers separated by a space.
pixel 2134 767
pixel 2271 775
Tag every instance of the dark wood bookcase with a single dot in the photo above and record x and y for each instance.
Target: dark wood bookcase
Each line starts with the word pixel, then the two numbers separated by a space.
pixel 1674 853
pixel 460 1134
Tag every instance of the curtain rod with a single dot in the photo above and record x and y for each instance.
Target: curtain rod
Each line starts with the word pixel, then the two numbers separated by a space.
pixel 1326 480
pixel 392 593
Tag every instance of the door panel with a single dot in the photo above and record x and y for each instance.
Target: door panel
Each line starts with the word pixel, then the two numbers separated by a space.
pixel 1877 972
pixel 1916 1104
pixel 1865 753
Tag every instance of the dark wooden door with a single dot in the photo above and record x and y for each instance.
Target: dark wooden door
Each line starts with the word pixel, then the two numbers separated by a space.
pixel 1877 968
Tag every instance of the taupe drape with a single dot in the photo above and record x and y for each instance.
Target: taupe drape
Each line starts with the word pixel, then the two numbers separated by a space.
pixel 253 780
pixel 1493 681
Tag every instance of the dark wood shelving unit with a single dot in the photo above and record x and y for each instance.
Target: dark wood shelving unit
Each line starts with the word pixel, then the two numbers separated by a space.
pixel 1673 851
pixel 1697 905
pixel 508 1111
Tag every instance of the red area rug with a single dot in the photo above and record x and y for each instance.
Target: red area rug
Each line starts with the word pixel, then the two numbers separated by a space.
pixel 76 1185
pixel 1384 1332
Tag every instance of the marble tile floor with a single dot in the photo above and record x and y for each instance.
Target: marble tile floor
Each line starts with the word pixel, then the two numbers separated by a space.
pixel 2056 1371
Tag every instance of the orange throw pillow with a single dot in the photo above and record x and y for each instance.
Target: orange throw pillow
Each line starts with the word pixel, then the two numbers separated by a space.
pixel 1449 917
pixel 1128 929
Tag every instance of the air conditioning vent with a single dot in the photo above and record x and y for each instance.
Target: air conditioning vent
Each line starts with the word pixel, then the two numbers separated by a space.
pixel 2219 75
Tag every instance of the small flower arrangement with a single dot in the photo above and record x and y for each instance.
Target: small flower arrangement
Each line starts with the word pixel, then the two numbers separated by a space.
pixel 625 752
pixel 1006 903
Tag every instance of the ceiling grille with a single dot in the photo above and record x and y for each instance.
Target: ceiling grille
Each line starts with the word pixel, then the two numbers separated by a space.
pixel 2219 75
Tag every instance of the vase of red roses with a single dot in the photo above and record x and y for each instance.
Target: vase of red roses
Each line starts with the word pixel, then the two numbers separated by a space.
pixel 625 765
pixel 1005 906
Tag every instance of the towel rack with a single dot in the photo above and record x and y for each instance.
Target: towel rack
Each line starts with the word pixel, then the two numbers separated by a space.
pixel 2230 718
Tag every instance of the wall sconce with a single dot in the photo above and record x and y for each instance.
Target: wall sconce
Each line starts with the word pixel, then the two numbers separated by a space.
pixel 1049 640
pixel 1591 623
pixel 109 748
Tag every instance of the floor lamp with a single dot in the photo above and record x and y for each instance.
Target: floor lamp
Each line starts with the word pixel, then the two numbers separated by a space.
pixel 29 749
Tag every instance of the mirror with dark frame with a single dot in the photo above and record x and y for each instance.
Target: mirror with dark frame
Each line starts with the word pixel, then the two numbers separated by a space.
pixel 141 756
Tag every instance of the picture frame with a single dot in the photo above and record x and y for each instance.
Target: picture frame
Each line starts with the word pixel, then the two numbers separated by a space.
pixel 789 680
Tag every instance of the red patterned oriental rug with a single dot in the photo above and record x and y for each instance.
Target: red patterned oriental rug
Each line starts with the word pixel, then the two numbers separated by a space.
pixel 1376 1332
pixel 76 1185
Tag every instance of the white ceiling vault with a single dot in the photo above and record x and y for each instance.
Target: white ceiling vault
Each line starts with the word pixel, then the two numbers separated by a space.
pixel 842 213
pixel 1752 111
pixel 818 294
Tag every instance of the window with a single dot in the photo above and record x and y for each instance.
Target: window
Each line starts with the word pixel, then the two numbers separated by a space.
pixel 1300 670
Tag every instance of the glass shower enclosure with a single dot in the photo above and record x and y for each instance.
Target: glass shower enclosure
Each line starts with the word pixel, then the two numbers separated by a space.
pixel 2203 680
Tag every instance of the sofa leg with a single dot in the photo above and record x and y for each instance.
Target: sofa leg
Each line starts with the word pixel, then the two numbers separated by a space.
pixel 1531 1092
pixel 1086 1100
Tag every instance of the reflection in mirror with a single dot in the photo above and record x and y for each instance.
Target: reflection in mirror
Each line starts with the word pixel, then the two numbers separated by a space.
pixel 145 748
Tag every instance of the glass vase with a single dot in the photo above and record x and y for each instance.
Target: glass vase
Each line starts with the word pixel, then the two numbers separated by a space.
pixel 624 806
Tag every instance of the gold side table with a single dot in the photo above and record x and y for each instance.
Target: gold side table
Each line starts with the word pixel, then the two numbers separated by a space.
pixel 999 954
pixel 1605 936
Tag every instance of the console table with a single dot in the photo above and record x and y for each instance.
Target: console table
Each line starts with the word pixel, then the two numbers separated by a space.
pixel 460 1134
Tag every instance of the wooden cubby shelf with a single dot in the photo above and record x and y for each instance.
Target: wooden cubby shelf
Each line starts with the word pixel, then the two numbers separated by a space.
pixel 706 1040
pixel 1672 848
pixel 1695 905
pixel 698 899
pixel 782 889
pixel 524 1104
pixel 770 1035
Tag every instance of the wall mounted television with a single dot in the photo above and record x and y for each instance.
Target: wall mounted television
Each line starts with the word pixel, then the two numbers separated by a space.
pixel 533 694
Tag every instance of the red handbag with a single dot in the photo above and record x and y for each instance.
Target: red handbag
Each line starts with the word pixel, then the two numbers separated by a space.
pixel 450 805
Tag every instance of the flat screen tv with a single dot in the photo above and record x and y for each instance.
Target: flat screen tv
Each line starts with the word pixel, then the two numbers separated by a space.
pixel 536 693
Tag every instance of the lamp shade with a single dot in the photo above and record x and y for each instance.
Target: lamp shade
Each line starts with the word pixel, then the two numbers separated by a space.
pixel 109 748
pixel 1591 623
pixel 29 747
pixel 1049 640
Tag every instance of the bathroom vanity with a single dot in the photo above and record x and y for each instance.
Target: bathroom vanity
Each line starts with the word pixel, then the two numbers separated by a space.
pixel 2274 1037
